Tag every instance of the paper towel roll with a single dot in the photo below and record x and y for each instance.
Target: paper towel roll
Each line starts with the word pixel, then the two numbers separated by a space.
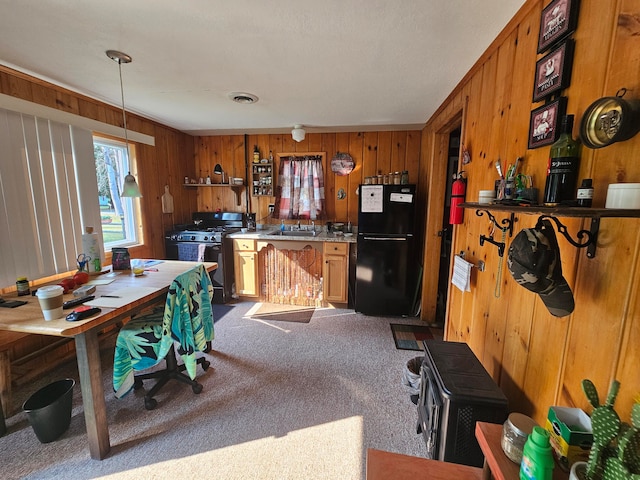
pixel 91 247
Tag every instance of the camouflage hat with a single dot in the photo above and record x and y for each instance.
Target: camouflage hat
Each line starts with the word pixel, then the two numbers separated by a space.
pixel 534 262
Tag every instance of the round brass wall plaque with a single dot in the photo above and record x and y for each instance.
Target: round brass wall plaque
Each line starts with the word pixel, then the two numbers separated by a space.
pixel 609 120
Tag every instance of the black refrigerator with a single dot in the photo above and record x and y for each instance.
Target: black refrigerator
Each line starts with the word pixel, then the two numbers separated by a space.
pixel 386 265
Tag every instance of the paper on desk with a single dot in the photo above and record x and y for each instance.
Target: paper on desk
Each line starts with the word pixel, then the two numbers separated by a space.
pixel 105 279
pixel 124 297
pixel 461 274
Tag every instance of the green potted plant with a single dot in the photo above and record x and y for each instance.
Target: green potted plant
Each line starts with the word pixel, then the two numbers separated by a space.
pixel 615 453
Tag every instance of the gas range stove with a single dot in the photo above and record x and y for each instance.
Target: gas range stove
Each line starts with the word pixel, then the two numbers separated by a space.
pixel 207 227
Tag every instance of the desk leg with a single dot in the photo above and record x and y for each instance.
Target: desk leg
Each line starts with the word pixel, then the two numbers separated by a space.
pixel 486 471
pixel 95 410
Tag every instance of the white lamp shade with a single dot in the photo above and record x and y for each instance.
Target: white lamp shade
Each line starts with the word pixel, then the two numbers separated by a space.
pixel 298 133
pixel 130 187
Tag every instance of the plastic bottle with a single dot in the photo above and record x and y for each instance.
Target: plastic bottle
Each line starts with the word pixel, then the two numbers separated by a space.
pixel 564 162
pixel 537 458
pixel 282 227
pixel 585 193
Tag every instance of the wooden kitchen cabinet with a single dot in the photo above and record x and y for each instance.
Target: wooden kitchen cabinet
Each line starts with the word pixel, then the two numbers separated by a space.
pixel 335 272
pixel 245 262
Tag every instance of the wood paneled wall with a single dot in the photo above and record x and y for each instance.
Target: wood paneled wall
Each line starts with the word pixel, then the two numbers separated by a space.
pixel 372 152
pixel 537 359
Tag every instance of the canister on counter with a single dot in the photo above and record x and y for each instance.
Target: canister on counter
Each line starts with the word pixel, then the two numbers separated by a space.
pixel 515 431
pixel 22 286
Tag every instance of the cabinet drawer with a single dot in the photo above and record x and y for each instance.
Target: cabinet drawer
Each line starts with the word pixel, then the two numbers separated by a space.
pixel 336 248
pixel 243 244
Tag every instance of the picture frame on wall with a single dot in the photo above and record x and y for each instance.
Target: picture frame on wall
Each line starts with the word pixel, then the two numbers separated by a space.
pixel 558 19
pixel 553 71
pixel 543 124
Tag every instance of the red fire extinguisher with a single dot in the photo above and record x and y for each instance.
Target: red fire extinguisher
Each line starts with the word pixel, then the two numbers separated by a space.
pixel 458 190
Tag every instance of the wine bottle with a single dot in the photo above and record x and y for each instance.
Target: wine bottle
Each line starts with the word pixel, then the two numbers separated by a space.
pixel 562 170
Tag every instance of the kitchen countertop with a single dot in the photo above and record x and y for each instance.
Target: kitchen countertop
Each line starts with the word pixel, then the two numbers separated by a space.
pixel 274 234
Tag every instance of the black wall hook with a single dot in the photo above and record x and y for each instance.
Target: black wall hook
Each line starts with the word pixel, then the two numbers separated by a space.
pixel 500 245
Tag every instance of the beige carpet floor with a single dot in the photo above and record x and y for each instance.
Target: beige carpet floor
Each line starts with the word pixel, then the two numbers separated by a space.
pixel 282 400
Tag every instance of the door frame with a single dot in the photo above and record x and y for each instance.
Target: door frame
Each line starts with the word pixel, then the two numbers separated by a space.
pixel 435 153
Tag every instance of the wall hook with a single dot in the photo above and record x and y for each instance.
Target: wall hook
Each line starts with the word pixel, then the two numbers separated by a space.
pixel 563 230
pixel 500 245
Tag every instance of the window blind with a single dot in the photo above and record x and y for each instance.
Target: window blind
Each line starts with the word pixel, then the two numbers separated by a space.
pixel 49 193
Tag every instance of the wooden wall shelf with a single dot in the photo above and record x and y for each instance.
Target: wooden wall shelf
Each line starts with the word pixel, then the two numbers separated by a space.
pixel 236 188
pixel 595 214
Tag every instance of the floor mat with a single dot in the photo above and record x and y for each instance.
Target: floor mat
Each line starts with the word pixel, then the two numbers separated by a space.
pixel 409 337
pixel 283 313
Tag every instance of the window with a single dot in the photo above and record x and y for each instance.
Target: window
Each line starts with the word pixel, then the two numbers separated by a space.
pixel 300 188
pixel 119 216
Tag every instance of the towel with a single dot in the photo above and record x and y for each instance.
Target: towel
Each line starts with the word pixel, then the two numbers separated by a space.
pixel 191 252
pixel 461 277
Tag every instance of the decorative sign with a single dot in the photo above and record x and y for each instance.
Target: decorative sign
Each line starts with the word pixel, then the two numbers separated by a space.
pixel 553 71
pixel 558 20
pixel 342 164
pixel 544 122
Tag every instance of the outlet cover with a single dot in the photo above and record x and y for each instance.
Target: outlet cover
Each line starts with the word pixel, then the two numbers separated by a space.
pixel 271 207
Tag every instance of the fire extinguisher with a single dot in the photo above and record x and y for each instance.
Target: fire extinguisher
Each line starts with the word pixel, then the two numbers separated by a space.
pixel 458 190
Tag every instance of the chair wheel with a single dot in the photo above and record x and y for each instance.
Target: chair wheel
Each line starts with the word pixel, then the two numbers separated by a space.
pixel 205 365
pixel 137 384
pixel 150 403
pixel 197 388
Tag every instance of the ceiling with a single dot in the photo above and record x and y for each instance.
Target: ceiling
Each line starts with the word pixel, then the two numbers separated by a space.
pixel 330 65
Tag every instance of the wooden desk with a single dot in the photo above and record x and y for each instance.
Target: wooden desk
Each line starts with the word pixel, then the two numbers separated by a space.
pixel 28 319
pixel 496 463
pixel 383 465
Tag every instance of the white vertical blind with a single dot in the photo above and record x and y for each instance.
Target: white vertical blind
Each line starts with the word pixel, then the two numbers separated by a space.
pixel 48 189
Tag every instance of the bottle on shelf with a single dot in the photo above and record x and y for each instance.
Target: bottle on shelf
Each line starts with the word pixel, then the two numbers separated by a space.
pixel 270 156
pixel 562 170
pixel 256 154
pixel 537 459
pixel 584 196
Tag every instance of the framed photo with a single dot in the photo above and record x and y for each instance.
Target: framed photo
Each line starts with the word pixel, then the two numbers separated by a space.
pixel 558 20
pixel 543 124
pixel 553 71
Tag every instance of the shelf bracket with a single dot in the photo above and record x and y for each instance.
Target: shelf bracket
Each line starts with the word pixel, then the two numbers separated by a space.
pixel 589 234
pixel 507 223
pixel 500 245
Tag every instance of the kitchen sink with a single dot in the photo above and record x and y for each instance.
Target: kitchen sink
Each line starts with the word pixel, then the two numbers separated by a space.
pixel 294 233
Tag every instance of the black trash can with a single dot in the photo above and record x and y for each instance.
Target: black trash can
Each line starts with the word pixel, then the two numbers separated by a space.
pixel 411 378
pixel 49 409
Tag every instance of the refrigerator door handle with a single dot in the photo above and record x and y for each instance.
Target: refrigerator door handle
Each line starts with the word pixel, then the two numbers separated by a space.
pixel 386 239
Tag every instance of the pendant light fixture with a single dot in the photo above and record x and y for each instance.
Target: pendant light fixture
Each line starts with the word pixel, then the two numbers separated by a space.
pixel 298 133
pixel 130 187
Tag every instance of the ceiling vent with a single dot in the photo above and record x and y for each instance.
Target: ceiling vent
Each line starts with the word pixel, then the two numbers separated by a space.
pixel 242 97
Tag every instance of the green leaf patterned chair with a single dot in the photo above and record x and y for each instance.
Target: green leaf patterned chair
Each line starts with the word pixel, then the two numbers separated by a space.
pixel 185 325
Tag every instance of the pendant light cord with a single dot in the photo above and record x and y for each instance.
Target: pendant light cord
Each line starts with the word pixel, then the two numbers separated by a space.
pixel 124 115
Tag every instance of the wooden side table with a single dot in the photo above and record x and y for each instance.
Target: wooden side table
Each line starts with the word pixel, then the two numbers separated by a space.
pixel 496 463
pixel 383 465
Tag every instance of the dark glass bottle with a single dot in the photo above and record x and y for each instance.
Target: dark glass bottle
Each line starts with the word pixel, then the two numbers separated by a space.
pixel 564 163
pixel 584 195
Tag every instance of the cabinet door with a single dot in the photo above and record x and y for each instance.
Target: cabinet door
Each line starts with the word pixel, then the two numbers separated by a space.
pixel 335 273
pixel 246 270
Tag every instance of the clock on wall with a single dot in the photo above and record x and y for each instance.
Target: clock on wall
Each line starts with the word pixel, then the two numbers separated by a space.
pixel 342 164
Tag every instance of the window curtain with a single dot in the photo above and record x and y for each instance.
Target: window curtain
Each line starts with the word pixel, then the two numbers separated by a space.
pixel 49 193
pixel 300 189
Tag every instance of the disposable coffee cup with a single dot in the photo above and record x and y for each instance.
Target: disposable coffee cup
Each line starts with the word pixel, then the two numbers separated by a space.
pixel 51 301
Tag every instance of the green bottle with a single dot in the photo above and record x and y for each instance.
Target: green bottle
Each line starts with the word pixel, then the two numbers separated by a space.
pixel 537 458
pixel 564 163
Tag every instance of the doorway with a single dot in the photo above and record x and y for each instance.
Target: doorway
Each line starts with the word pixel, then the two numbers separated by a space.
pixel 446 232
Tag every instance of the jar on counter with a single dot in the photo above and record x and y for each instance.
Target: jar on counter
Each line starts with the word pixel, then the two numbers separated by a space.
pixel 396 178
pixel 404 178
pixel 22 286
pixel 515 431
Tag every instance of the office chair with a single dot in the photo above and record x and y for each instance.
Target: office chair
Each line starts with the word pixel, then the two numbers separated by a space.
pixel 187 320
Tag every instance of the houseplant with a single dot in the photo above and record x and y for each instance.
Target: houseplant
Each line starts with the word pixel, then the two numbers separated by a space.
pixel 615 453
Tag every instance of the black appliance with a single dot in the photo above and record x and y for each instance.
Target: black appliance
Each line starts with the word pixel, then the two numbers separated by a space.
pixel 456 392
pixel 205 240
pixel 386 267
